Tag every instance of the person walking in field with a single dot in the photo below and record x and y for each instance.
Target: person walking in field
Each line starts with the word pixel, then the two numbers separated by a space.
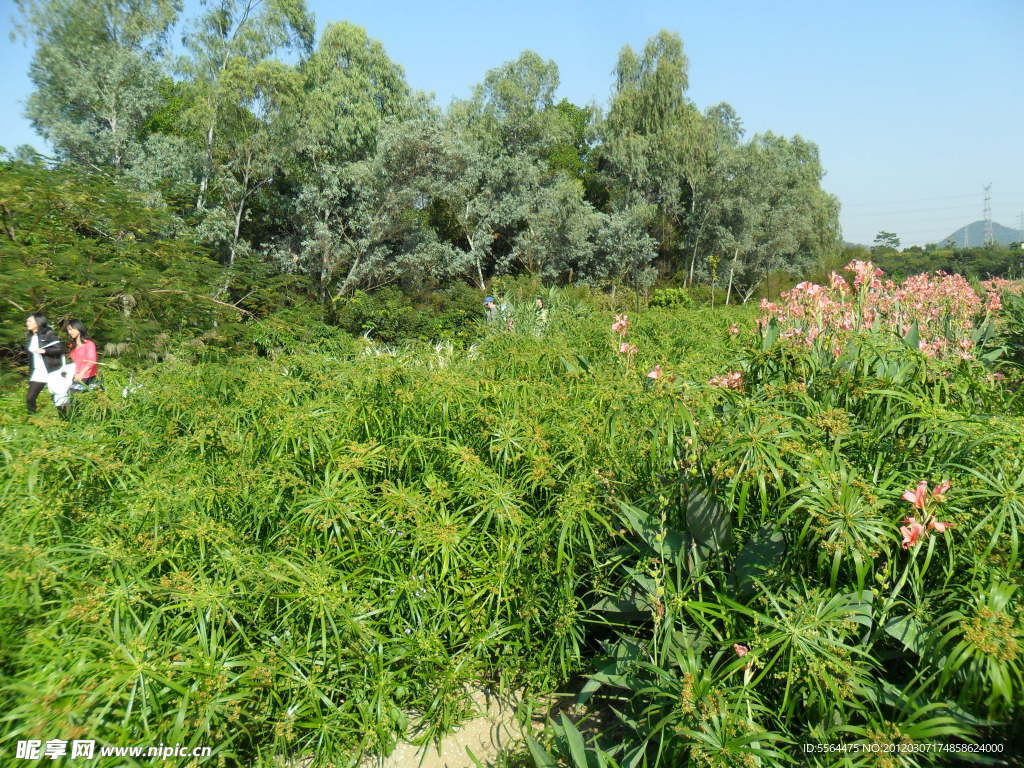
pixel 542 313
pixel 47 352
pixel 83 353
pixel 490 310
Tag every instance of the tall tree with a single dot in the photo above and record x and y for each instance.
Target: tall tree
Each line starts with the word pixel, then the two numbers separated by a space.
pixel 655 139
pixel 771 212
pixel 230 38
pixel 339 213
pixel 96 72
pixel 650 88
pixel 513 109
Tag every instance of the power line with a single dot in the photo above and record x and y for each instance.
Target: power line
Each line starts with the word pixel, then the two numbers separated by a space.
pixel 962 207
pixel 914 200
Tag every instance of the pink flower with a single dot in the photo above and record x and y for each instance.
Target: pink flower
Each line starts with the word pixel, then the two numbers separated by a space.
pixel 621 325
pixel 654 373
pixel 732 380
pixel 938 527
pixel 734 329
pixel 912 532
pixel 917 496
pixel 741 650
pixel 626 348
pixel 838 283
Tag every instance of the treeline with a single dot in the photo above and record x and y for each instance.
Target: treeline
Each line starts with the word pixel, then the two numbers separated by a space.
pixel 283 154
pixel 979 263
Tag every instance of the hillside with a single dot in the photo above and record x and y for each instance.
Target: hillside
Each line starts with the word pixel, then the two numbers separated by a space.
pixel 975 234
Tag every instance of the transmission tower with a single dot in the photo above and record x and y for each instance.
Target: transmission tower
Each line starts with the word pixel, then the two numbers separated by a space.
pixel 989 238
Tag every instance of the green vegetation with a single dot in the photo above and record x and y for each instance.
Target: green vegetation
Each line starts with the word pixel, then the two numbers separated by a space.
pixel 320 500
pixel 287 154
pixel 317 548
pixel 290 555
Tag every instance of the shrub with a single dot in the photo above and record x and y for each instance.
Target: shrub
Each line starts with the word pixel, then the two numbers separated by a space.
pixel 671 297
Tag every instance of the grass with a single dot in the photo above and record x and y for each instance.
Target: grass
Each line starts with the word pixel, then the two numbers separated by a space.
pixel 317 553
pixel 314 549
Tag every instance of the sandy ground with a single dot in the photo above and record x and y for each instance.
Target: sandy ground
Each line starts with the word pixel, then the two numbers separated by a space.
pixel 494 729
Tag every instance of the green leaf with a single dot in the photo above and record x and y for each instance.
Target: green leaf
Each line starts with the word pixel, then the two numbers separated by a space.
pixel 912 338
pixel 708 521
pixel 605 675
pixel 648 529
pixel 859 605
pixel 908 631
pixel 574 739
pixel 539 754
pixel 632 605
pixel 771 333
pixel 759 555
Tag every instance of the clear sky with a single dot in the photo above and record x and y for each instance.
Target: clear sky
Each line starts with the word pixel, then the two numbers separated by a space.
pixel 915 104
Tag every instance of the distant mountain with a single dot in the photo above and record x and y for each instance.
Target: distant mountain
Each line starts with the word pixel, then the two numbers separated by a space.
pixel 974 235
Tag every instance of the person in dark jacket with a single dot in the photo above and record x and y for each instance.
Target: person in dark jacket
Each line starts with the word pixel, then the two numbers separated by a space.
pixel 46 350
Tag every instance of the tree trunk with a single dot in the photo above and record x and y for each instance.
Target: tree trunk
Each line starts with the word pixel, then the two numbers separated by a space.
pixel 750 292
pixel 480 274
pixel 732 270
pixel 696 243
pixel 117 148
pixel 204 183
pixel 476 259
pixel 238 216
pixel 238 226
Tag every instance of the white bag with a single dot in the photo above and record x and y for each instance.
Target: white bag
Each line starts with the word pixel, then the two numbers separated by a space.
pixel 59 383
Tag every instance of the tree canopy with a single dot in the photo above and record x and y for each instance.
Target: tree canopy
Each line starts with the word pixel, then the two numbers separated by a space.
pixel 276 153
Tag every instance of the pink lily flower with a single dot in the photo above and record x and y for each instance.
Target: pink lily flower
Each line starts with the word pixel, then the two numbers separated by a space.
pixel 917 496
pixel 939 527
pixel 654 373
pixel 741 650
pixel 940 489
pixel 912 533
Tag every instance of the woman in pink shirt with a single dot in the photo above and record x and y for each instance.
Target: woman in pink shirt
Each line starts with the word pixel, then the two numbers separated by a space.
pixel 83 352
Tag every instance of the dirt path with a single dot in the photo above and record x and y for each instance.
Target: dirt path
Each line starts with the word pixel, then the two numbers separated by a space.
pixel 485 736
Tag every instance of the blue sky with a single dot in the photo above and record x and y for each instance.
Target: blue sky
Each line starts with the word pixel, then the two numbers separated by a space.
pixel 914 105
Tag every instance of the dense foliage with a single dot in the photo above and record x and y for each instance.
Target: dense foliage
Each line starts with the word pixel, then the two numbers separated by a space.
pixel 283 151
pixel 295 554
pixel 978 263
pixel 79 246
pixel 333 501
pixel 837 559
pixel 756 543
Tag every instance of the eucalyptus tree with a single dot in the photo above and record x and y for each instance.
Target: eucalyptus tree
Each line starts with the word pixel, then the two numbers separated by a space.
pixel 225 45
pixel 264 95
pixel 558 233
pixel 513 109
pixel 348 90
pixel 96 72
pixel 566 240
pixel 516 205
pixel 772 213
pixel 465 193
pixel 655 140
pixel 623 250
